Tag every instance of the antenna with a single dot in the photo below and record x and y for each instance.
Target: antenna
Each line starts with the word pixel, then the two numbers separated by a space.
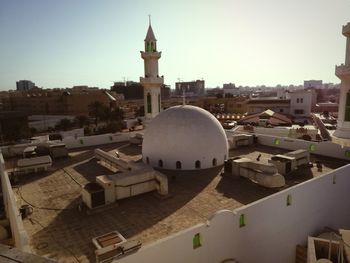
pixel 149 20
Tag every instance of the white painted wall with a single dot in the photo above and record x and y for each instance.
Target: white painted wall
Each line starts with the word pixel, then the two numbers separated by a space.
pixel 85 141
pixel 325 148
pixel 300 100
pixel 272 228
pixel 12 213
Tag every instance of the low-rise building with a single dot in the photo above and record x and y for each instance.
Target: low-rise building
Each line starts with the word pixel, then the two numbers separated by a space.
pixel 191 88
pixel 57 101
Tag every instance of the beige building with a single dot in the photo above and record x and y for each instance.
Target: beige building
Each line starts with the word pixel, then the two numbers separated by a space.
pixel 57 101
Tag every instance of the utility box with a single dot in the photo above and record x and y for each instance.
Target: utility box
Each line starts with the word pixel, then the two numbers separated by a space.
pixel 93 195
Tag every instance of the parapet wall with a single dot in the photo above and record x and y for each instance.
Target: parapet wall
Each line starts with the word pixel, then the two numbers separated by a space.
pixel 12 213
pixel 325 148
pixel 267 230
pixel 72 142
pixel 85 141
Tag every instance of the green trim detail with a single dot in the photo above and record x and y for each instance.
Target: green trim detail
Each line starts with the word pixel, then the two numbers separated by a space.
pixel 347 153
pixel 277 142
pixel 81 141
pixel 197 241
pixel 242 220
pixel 312 147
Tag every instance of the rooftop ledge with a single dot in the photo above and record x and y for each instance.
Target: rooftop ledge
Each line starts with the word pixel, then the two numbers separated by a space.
pixel 346 30
pixel 342 71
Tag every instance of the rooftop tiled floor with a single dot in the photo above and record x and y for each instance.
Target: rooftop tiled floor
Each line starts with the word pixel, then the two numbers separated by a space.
pixel 59 231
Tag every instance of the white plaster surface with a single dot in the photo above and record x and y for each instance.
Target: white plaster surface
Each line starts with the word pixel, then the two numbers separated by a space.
pixel 186 134
pixel 272 229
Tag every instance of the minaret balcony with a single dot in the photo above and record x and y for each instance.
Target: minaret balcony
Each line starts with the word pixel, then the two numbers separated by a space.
pixel 152 80
pixel 342 71
pixel 154 55
pixel 346 30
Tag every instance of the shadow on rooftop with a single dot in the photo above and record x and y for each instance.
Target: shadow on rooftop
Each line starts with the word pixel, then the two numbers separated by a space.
pixel 242 189
pixel 91 168
pixel 130 149
pixel 74 230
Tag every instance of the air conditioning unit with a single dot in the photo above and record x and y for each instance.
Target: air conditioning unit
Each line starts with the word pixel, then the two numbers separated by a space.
pixel 93 195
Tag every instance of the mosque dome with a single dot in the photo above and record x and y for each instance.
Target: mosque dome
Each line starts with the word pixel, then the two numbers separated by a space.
pixel 184 137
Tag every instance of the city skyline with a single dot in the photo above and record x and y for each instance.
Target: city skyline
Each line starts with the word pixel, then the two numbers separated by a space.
pixel 62 44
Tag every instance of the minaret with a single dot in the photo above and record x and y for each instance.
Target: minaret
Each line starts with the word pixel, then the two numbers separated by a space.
pixel 151 81
pixel 343 72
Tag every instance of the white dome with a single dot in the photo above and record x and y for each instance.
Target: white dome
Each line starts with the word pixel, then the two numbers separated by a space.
pixel 184 137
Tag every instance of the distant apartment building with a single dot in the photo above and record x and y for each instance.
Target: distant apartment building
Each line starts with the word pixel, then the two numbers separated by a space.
pixel 131 90
pixel 134 90
pixel 317 84
pixel 191 88
pixel 24 85
pixel 297 103
pixel 57 101
pixel 230 88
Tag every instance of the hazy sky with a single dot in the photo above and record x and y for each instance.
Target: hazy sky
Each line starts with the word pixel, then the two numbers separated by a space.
pixel 247 42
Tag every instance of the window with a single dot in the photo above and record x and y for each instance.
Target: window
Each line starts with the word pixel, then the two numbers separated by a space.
pixel 297 100
pixel 214 162
pixel 160 163
pixel 347 107
pixel 197 242
pixel 159 102
pixel 281 110
pixel 178 165
pixel 289 200
pixel 198 164
pixel 241 220
pixel 301 100
pixel 149 103
pixel 147 160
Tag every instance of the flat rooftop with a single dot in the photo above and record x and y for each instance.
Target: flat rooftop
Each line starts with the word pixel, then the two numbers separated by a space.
pixel 59 231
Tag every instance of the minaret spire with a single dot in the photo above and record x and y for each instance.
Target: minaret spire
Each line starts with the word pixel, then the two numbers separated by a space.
pixel 149 20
